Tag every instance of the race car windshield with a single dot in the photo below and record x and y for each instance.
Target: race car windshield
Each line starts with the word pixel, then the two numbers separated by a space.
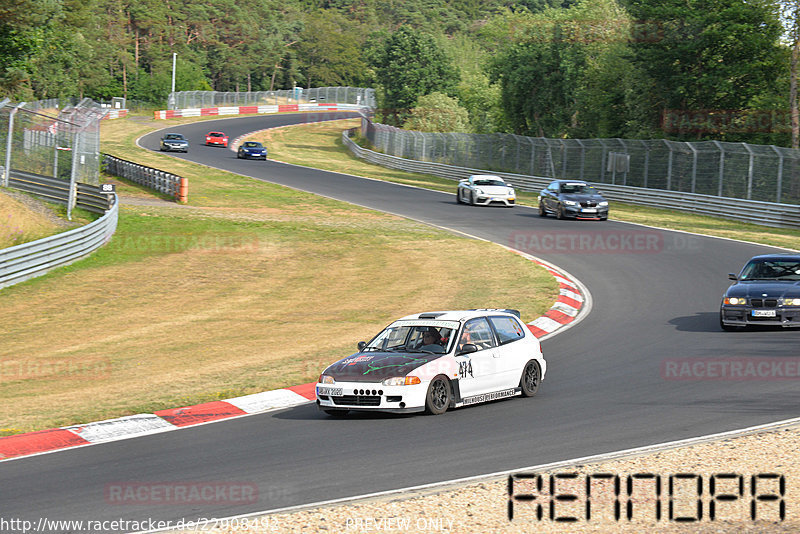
pixel 413 338
pixel 173 136
pixel 489 182
pixel 251 144
pixel 581 189
pixel 771 270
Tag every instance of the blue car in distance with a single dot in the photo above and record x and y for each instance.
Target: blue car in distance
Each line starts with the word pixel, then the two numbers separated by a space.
pixel 252 150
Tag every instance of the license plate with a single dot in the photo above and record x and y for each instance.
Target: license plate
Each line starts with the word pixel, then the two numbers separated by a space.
pixel 589 210
pixel 333 392
pixel 763 313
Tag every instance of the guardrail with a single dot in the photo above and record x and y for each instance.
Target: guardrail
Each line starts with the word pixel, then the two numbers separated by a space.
pixel 752 211
pixel 89 197
pixel 28 260
pixel 161 181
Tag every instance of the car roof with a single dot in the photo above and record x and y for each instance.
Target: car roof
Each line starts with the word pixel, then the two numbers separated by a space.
pixel 486 177
pixel 581 182
pixel 221 133
pixel 173 133
pixel 459 315
pixel 776 256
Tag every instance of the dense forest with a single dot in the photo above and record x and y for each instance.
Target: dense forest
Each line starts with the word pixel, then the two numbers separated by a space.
pixel 681 69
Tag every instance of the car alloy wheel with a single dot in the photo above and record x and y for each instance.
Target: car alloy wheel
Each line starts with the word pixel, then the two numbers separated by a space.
pixel 560 212
pixel 542 211
pixel 472 198
pixel 438 398
pixel 531 377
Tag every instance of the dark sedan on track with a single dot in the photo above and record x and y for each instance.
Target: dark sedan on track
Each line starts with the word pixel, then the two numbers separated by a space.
pixel 572 199
pixel 252 150
pixel 766 292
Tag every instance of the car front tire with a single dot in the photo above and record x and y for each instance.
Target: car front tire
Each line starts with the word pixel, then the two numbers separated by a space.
pixel 531 378
pixel 437 401
pixel 472 199
pixel 560 212
pixel 542 211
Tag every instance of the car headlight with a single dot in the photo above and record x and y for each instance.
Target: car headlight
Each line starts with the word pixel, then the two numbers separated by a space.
pixel 326 379
pixel 569 202
pixel 789 301
pixel 603 203
pixel 401 381
pixel 735 301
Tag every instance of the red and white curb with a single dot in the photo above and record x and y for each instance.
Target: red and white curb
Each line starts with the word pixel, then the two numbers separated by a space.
pixel 565 312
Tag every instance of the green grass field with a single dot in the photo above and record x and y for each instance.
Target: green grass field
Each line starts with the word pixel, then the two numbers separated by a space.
pixel 250 287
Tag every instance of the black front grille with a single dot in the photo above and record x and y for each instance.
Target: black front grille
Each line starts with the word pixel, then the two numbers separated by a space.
pixel 357 400
pixel 589 204
pixel 764 303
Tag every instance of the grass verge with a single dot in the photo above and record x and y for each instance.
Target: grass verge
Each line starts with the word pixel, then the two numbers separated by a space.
pixel 254 287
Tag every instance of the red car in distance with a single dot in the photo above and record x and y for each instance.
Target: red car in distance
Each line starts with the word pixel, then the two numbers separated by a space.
pixel 217 139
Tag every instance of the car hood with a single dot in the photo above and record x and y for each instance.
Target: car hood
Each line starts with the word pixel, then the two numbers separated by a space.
pixel 582 198
pixel 375 366
pixel 494 189
pixel 758 288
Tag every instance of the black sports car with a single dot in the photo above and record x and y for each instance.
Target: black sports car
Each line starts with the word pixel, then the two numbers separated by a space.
pixel 766 292
pixel 174 141
pixel 574 199
pixel 252 149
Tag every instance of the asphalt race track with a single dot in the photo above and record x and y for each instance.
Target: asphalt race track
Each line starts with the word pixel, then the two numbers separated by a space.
pixel 608 384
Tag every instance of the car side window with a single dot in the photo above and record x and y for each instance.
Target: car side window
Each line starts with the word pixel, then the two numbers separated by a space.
pixel 507 329
pixel 478 332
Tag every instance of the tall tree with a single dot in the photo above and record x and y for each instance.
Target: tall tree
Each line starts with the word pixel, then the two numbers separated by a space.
pixel 710 55
pixel 409 65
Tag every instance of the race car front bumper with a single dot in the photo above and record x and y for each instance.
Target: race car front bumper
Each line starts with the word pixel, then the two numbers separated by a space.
pixel 372 396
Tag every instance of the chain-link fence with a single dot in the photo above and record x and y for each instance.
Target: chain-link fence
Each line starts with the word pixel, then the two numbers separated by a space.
pixel 738 170
pixel 40 138
pixel 209 99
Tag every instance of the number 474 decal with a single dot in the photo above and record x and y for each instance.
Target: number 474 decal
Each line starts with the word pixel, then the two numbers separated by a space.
pixel 464 369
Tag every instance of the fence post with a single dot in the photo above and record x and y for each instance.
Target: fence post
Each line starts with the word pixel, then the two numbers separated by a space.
pixel 750 171
pixel 603 162
pixel 721 166
pixel 694 166
pixel 7 172
pixel 669 166
pixel 533 156
pixel 563 159
pixel 780 174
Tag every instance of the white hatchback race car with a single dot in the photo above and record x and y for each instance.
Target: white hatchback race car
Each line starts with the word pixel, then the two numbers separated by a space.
pixel 434 361
pixel 485 189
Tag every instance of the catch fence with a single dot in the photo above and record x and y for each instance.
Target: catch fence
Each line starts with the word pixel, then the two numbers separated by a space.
pixel 764 173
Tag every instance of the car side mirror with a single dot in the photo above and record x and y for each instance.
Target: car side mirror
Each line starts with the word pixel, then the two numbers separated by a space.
pixel 467 349
pixel 361 345
pixel 732 276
